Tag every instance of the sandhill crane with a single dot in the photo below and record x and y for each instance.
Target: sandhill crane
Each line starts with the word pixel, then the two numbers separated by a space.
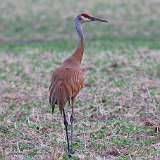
pixel 68 79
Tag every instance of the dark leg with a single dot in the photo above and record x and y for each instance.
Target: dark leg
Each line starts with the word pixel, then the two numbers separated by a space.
pixel 66 128
pixel 53 106
pixel 71 120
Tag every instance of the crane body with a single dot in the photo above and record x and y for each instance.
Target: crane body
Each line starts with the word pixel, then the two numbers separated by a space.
pixel 68 79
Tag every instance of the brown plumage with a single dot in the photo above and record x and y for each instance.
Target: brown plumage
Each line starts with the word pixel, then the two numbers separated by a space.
pixel 68 79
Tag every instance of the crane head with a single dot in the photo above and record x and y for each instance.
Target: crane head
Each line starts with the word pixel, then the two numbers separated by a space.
pixel 84 17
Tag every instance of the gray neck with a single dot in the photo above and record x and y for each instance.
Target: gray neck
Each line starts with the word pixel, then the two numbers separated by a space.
pixel 79 30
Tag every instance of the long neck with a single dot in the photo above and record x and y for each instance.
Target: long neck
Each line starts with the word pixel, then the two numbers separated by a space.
pixel 78 55
pixel 79 30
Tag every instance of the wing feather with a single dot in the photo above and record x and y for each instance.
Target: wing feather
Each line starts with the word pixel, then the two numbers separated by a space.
pixel 66 83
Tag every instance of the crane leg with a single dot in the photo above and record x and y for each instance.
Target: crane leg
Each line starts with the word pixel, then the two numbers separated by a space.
pixel 71 121
pixel 53 106
pixel 66 128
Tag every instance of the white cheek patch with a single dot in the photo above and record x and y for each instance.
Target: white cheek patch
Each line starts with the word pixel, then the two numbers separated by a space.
pixel 85 19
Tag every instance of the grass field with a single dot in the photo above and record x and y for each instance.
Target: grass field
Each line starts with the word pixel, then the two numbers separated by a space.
pixel 117 113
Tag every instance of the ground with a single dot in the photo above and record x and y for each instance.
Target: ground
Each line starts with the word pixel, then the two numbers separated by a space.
pixel 117 113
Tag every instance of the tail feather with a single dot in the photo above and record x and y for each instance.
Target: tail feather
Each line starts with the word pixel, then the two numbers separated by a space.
pixel 59 94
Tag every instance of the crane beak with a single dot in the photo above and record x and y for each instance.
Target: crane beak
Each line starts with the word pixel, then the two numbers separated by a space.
pixel 99 19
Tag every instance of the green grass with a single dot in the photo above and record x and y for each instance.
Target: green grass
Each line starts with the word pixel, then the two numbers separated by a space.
pixel 117 114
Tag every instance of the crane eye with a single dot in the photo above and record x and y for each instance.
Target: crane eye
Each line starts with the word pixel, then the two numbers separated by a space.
pixel 85 19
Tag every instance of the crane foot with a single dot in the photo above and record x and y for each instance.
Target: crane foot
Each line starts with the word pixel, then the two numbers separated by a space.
pixel 69 155
pixel 72 151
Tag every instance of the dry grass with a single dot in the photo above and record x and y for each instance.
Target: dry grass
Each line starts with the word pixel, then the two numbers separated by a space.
pixel 117 113
pixel 121 100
